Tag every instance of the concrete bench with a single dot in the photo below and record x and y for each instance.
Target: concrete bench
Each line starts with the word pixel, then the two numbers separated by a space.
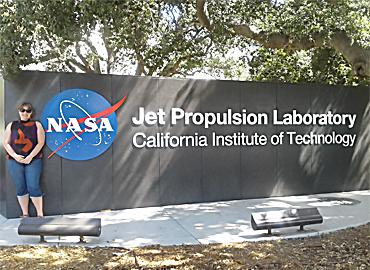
pixel 285 218
pixel 60 226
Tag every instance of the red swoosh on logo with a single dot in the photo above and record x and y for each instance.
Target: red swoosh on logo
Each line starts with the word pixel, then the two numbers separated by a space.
pixel 106 112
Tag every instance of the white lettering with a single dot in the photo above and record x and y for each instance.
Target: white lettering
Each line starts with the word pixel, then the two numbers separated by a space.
pixel 150 118
pixel 73 125
pixel 176 114
pixel 135 140
pixel 91 125
pixel 140 119
pixel 105 124
pixel 53 125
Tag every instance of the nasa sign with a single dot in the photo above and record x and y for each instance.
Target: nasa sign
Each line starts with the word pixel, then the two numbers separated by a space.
pixel 79 124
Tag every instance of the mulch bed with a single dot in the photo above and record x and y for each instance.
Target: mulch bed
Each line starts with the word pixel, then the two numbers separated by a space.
pixel 345 249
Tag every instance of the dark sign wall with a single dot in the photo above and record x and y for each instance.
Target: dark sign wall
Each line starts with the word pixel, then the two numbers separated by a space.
pixel 127 177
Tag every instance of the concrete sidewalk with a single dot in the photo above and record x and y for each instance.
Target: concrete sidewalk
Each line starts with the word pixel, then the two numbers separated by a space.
pixel 204 223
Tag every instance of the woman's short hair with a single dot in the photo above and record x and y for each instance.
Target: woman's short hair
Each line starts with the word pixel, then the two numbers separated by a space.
pixel 25 105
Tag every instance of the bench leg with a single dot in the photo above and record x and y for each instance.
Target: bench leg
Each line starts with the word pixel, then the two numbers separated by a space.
pixel 301 228
pixel 82 240
pixel 269 231
pixel 42 239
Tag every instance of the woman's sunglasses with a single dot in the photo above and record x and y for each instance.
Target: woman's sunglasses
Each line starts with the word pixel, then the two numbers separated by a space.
pixel 24 110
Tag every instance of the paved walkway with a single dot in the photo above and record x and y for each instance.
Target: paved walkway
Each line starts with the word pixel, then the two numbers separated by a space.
pixel 218 222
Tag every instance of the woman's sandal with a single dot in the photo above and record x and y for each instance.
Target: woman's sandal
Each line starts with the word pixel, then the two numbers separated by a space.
pixel 24 216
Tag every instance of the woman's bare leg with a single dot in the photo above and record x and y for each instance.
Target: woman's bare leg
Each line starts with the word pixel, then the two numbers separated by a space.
pixel 23 202
pixel 37 202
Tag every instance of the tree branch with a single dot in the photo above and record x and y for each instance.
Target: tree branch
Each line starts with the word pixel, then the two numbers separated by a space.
pixel 202 16
pixel 96 65
pixel 77 64
pixel 140 65
pixel 69 65
pixel 86 66
pixel 170 70
pixel 357 56
pixel 91 46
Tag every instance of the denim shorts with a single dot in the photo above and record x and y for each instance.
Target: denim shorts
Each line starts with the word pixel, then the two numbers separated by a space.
pixel 26 177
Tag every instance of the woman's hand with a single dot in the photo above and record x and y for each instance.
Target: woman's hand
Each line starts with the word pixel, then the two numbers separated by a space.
pixel 27 160
pixel 19 158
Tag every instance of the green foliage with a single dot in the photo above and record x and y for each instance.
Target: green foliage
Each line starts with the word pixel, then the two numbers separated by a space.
pixel 226 67
pixel 278 65
pixel 300 20
pixel 319 65
pixel 15 40
pixel 329 67
pixel 296 18
pixel 165 38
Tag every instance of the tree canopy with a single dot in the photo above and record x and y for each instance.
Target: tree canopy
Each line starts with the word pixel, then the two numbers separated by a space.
pixel 293 40
pixel 159 37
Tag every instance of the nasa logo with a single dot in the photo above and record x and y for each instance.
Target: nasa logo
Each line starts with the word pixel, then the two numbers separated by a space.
pixel 79 124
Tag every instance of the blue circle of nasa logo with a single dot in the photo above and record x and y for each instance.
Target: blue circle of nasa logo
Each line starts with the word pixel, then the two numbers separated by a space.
pixel 79 124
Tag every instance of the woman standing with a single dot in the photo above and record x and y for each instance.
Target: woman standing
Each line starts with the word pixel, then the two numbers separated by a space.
pixel 23 141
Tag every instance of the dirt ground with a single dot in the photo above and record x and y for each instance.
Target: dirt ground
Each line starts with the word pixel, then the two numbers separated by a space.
pixel 346 249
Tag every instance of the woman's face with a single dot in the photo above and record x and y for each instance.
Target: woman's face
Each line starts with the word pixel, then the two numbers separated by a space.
pixel 25 113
